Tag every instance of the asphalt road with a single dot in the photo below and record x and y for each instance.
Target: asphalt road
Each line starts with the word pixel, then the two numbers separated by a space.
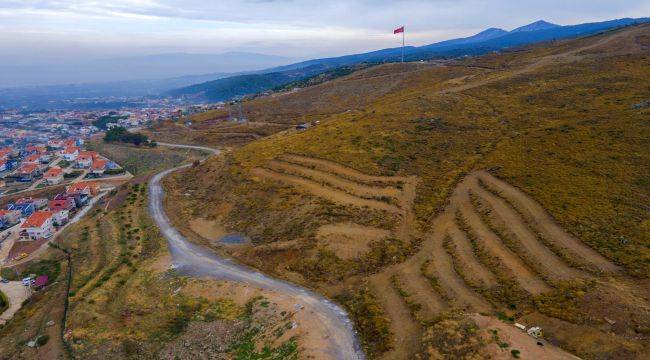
pixel 193 260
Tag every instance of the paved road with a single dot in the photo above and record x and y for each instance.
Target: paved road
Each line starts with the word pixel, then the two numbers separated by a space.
pixel 193 260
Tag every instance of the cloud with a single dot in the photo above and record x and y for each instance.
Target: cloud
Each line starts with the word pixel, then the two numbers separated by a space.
pixel 33 31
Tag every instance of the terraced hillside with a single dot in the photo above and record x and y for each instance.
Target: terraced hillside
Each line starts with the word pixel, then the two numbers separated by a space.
pixel 507 188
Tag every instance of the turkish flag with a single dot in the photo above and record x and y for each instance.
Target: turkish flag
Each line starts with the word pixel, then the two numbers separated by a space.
pixel 398 30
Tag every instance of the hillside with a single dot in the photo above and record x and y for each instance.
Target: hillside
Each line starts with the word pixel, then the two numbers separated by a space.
pixel 511 185
pixel 481 43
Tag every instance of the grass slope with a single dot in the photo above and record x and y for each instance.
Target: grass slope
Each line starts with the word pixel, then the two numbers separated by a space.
pixel 564 122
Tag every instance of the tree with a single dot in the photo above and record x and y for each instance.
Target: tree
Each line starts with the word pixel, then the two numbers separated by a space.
pixel 120 134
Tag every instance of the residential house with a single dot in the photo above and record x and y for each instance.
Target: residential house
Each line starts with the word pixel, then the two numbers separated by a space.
pixel 28 172
pixel 88 188
pixel 25 209
pixel 39 203
pixel 54 175
pixel 35 149
pixel 9 218
pixel 32 159
pixel 69 143
pixel 39 225
pixel 60 217
pixel 55 144
pixel 61 202
pixel 85 159
pixel 6 153
pixel 98 167
pixel 70 153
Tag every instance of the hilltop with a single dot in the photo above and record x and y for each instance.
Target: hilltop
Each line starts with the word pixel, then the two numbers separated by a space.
pixel 510 185
pixel 482 43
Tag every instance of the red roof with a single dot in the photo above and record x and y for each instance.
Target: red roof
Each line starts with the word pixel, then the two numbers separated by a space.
pixel 37 219
pixel 41 281
pixel 92 154
pixel 85 157
pixel 98 164
pixel 28 168
pixel 60 204
pixel 33 158
pixel 80 186
pixel 69 143
pixel 53 172
pixel 35 148
pixel 71 150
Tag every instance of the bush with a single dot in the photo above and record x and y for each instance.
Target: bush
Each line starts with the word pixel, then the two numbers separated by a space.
pixel 42 340
pixel 370 320
pixel 120 134
pixel 4 302
pixel 114 171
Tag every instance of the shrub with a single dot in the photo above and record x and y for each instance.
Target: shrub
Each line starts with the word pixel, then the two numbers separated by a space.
pixel 42 340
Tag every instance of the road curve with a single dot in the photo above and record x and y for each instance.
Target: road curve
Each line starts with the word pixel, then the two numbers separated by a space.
pixel 193 260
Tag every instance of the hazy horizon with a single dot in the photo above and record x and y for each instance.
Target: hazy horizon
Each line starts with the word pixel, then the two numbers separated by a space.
pixel 47 40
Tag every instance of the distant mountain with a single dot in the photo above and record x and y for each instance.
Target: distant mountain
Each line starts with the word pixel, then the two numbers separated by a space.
pixel 230 87
pixel 67 96
pixel 536 26
pixel 492 39
pixel 491 33
pixel 160 66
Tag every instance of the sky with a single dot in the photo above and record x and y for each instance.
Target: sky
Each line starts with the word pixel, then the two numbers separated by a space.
pixel 50 32
pixel 33 30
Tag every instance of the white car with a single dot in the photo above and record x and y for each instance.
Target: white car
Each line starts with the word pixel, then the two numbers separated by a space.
pixel 28 281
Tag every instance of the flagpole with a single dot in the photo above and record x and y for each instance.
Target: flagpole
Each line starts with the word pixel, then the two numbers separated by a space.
pixel 403 44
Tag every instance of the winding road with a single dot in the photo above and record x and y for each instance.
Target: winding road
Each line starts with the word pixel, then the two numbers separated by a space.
pixel 193 260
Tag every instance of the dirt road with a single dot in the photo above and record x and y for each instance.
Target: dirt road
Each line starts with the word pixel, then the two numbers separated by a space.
pixel 193 260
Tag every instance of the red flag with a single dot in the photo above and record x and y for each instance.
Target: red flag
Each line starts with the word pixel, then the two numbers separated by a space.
pixel 398 30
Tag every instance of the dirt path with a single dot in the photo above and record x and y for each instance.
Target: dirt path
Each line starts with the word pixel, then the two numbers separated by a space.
pixel 421 292
pixel 542 62
pixel 465 255
pixel 349 240
pixel 330 166
pixel 524 276
pixel 354 188
pixel 16 293
pixel 323 191
pixel 406 331
pixel 549 262
pixel 543 222
pixel 443 269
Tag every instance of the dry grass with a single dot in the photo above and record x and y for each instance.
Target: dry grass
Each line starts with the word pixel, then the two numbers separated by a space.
pixel 558 121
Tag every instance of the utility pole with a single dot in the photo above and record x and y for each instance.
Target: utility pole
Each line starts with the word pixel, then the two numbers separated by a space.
pixel 241 113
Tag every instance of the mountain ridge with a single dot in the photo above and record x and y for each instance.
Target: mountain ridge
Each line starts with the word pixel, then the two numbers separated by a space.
pixel 492 39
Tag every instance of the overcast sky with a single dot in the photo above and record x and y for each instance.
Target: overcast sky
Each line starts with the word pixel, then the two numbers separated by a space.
pixel 37 31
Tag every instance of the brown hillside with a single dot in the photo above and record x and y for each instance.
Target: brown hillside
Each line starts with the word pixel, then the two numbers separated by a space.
pixel 513 185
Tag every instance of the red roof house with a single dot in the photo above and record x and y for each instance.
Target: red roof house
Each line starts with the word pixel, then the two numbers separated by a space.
pixel 90 188
pixel 53 175
pixel 39 225
pixel 98 166
pixel 61 203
